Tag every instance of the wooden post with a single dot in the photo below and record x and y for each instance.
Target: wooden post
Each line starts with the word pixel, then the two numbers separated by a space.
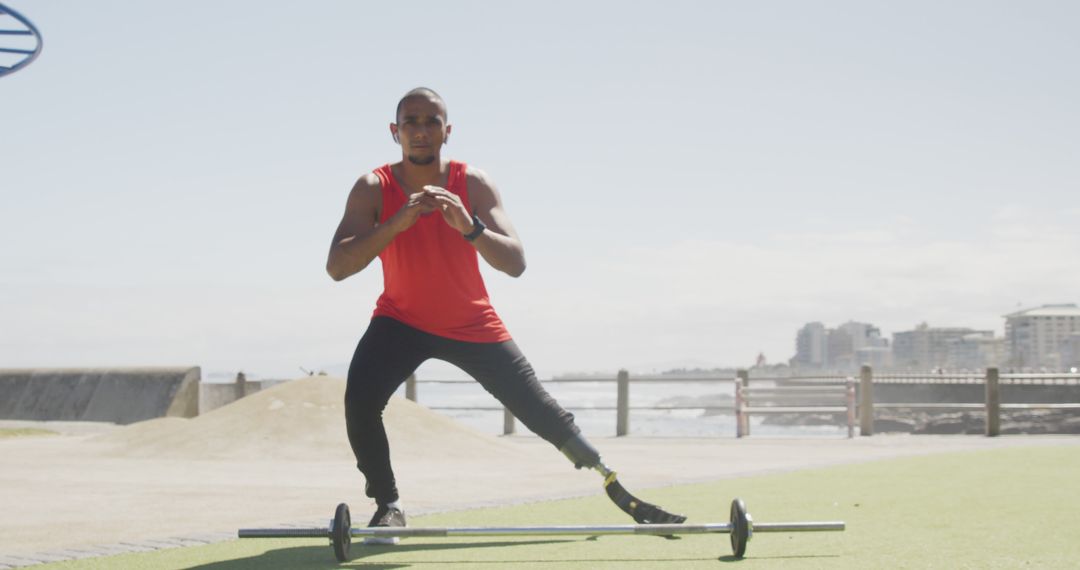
pixel 850 408
pixel 622 414
pixel 743 381
pixel 738 409
pixel 410 388
pixel 993 403
pixel 508 422
pixel 866 401
pixel 241 385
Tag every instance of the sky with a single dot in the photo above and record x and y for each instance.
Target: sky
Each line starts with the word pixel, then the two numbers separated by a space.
pixel 692 181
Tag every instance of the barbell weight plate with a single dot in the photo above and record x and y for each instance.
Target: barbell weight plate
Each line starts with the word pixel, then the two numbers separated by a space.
pixel 740 528
pixel 341 533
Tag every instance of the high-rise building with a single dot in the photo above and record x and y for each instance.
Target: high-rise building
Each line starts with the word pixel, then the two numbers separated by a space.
pixel 810 346
pixel 1070 352
pixel 1037 338
pixel 878 357
pixel 863 335
pixel 975 351
pixel 926 347
pixel 841 349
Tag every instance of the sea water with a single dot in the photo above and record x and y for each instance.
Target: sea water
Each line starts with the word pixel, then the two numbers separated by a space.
pixel 584 398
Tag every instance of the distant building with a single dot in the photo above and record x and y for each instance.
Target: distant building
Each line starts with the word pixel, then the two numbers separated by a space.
pixel 863 335
pixel 810 346
pixel 877 357
pixel 1040 337
pixel 975 351
pixel 1070 352
pixel 926 347
pixel 841 349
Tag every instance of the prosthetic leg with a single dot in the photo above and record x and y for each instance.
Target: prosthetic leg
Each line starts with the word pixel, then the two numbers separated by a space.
pixel 582 454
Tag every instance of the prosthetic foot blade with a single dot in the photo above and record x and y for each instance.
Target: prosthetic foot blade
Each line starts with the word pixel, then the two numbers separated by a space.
pixel 642 512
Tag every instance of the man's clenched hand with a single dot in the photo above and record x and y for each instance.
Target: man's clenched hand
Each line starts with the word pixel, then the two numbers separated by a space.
pixel 451 208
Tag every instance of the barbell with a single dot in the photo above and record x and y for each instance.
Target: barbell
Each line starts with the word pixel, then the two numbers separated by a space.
pixel 740 526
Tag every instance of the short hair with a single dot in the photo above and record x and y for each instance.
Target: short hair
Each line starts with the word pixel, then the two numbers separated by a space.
pixel 420 92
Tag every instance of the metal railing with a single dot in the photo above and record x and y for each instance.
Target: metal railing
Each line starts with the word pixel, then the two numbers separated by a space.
pixel 817 399
pixel 622 407
pixel 991 403
pixel 1063 379
pixel 806 394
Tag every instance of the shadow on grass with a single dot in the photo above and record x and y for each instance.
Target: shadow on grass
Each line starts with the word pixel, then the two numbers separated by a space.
pixel 732 558
pixel 322 557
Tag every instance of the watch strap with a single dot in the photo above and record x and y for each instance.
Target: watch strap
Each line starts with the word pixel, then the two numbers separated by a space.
pixel 478 228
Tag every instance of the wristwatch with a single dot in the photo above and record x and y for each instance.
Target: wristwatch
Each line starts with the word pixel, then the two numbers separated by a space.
pixel 478 228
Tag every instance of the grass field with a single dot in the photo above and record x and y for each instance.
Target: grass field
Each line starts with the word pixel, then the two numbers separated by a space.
pixel 24 432
pixel 1009 508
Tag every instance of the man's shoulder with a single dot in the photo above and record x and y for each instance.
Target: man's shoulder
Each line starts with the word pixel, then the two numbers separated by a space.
pixel 368 181
pixel 477 177
pixel 373 178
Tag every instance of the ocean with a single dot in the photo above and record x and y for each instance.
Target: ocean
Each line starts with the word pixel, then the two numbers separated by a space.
pixel 583 399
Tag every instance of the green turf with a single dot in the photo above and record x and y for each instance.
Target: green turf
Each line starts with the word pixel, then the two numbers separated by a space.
pixel 24 432
pixel 1006 508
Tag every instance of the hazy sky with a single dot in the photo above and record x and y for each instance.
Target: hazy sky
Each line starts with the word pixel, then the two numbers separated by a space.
pixel 693 181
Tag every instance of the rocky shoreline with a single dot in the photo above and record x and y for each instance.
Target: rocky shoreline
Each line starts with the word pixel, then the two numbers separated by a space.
pixel 919 422
pixel 909 420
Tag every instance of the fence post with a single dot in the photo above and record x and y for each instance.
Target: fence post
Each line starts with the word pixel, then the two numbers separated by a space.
pixel 508 422
pixel 993 403
pixel 866 401
pixel 738 409
pixel 742 381
pixel 622 414
pixel 850 408
pixel 241 385
pixel 410 388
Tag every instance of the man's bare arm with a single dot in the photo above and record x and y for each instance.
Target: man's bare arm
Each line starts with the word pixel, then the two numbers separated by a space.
pixel 499 245
pixel 359 237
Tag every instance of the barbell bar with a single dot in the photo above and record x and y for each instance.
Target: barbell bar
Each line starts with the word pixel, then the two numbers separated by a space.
pixel 741 528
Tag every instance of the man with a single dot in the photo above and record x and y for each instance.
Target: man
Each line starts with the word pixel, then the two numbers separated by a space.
pixel 426 219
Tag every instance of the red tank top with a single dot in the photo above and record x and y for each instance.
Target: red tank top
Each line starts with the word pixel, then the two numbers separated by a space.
pixel 431 276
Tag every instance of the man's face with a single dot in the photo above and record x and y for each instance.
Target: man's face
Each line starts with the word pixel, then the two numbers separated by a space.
pixel 421 129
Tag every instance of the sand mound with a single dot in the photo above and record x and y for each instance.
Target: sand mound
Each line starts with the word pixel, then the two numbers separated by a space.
pixel 299 420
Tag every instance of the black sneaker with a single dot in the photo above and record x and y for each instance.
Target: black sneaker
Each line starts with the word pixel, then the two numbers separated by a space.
pixel 385 517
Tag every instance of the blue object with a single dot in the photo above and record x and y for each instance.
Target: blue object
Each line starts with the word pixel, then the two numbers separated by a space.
pixel 23 27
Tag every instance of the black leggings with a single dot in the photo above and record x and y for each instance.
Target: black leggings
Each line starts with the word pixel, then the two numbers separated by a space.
pixel 390 350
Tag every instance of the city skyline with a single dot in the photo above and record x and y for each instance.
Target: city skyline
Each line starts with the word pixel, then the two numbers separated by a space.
pixel 1046 337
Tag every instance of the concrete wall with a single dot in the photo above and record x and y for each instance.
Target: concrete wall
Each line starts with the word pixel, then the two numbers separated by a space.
pixel 215 395
pixel 974 393
pixel 902 393
pixel 120 395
